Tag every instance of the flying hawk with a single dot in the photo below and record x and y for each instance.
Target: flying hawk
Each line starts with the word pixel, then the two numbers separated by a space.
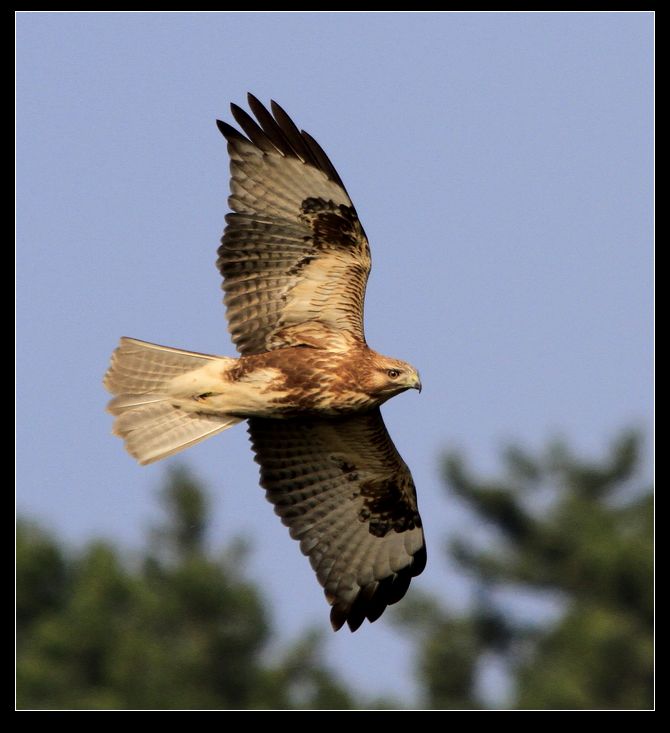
pixel 295 263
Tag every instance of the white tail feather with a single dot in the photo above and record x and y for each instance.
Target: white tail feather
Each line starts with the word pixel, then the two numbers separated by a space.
pixel 153 420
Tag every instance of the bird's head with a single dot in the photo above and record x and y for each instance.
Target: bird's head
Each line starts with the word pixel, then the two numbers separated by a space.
pixel 389 377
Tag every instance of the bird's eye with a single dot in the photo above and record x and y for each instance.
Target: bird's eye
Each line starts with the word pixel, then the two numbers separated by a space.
pixel 393 373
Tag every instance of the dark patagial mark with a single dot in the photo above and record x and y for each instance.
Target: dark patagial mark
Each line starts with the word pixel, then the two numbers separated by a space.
pixel 387 508
pixel 333 225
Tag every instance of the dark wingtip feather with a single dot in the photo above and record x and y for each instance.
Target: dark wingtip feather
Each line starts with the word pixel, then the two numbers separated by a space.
pixel 355 619
pixel 373 599
pixel 270 126
pixel 255 103
pixel 323 161
pixel 419 560
pixel 293 135
pixel 277 132
pixel 229 132
pixel 252 129
pixel 337 618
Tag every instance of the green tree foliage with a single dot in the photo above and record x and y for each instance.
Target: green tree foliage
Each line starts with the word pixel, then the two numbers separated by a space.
pixel 178 628
pixel 573 532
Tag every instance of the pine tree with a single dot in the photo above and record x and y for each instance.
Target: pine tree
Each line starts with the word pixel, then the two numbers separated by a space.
pixel 575 534
pixel 176 628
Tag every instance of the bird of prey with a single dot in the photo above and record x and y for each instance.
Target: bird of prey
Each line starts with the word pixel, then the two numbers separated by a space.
pixel 295 262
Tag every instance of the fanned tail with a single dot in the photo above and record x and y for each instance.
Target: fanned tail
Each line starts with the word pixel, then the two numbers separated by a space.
pixel 154 419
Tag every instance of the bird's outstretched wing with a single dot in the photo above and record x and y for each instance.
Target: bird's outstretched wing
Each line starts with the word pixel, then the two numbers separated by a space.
pixel 346 494
pixel 293 251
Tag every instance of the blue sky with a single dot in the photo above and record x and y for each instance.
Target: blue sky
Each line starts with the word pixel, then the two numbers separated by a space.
pixel 501 164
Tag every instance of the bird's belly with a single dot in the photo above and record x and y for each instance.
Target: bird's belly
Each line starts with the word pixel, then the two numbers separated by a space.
pixel 320 403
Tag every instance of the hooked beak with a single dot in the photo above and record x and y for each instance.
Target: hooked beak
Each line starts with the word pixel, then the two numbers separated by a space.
pixel 417 383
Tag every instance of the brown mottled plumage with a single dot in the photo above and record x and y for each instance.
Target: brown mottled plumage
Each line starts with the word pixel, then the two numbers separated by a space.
pixel 295 262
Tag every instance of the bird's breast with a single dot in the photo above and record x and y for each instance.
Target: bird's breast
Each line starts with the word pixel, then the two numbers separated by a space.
pixel 303 381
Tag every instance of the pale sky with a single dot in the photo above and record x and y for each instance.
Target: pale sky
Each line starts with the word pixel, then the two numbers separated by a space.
pixel 501 164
